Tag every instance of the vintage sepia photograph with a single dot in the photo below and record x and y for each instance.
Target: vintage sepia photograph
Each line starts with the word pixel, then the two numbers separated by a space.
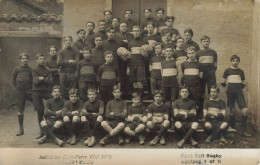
pixel 103 81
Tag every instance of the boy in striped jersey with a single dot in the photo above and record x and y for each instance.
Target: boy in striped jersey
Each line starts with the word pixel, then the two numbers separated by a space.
pixel 155 68
pixel 86 74
pixel 91 116
pixel 158 117
pixel 22 81
pixel 192 75
pixel 180 54
pixel 188 34
pixel 137 60
pixel 208 59
pixel 234 79
pixel 136 119
pixel 108 76
pixel 214 111
pixel 184 111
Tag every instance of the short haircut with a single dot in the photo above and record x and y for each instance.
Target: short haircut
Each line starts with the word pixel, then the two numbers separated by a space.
pixel 23 54
pixel 92 90
pixel 91 23
pixel 116 87
pixel 101 21
pixel 191 48
pixel 136 95
pixel 136 26
pixel 158 43
pixel 116 18
pixel 235 57
pixel 129 10
pixel 148 9
pixel 214 87
pixel 188 31
pixel 150 23
pixel 68 37
pixel 158 92
pixel 169 17
pixel 160 9
pixel 97 35
pixel 204 38
pixel 178 38
pixel 38 55
pixel 107 52
pixel 73 91
pixel 167 31
pixel 81 30
pixel 184 87
pixel 55 87
pixel 52 46
pixel 104 12
pixel 169 47
pixel 87 48
pixel 109 28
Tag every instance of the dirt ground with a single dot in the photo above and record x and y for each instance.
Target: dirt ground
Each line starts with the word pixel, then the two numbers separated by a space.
pixel 9 126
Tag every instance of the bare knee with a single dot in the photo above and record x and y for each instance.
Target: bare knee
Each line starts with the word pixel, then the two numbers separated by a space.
pixel 244 111
pixel 224 125
pixel 75 119
pixel 150 124
pixel 195 125
pixel 100 119
pixel 208 125
pixel 139 85
pixel 58 124
pixel 43 123
pixel 104 124
pixel 166 123
pixel 83 119
pixel 178 125
pixel 66 119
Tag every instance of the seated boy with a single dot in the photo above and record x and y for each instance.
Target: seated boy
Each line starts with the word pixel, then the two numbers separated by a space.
pixel 136 119
pixel 71 114
pixel 184 111
pixel 91 116
pixel 116 112
pixel 235 79
pixel 53 117
pixel 214 113
pixel 86 74
pixel 158 117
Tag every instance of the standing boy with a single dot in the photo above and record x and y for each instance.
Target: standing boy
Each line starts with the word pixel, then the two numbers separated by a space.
pixel 91 116
pixel 53 117
pixel 188 34
pixel 136 119
pixel 234 79
pixel 169 20
pixel 184 111
pixel 128 19
pixel 67 61
pixel 98 52
pixel 208 59
pixel 158 117
pixel 79 44
pixel 42 79
pixel 107 77
pixel 102 29
pixel 22 81
pixel 89 40
pixel 71 115
pixel 86 74
pixel 51 64
pixel 116 112
pixel 160 22
pixel 180 54
pixel 214 111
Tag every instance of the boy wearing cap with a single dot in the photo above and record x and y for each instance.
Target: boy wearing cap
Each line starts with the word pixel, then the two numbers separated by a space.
pixel 22 81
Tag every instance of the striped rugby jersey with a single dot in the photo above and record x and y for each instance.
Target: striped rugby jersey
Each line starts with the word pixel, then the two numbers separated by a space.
pixel 191 72
pixel 156 67
pixel 234 78
pixel 169 73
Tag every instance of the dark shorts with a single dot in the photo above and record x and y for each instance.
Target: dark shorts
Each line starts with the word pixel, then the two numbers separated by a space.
pixel 170 93
pixel 215 125
pixel 133 125
pixel 186 124
pixel 51 122
pixel 91 121
pixel 137 73
pixel 238 96
pixel 114 123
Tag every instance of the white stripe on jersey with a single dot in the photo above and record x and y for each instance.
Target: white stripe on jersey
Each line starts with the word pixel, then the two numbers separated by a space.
pixel 157 65
pixel 234 79
pixel 169 72
pixel 136 50
pixel 206 59
pixel 212 110
pixel 191 72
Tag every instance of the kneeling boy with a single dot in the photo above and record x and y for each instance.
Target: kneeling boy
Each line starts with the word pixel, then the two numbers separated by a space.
pixel 184 111
pixel 115 114
pixel 91 116
pixel 158 117
pixel 214 111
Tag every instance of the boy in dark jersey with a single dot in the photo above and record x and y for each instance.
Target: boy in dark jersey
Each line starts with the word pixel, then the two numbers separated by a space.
pixel 148 18
pixel 51 64
pixel 22 81
pixel 169 20
pixel 67 61
pixel 79 44
pixel 108 18
pixel 192 75
pixel 158 117
pixel 160 22
pixel 234 79
pixel 128 19
pixel 42 80
pixel 136 119
pixel 107 77
pixel 102 29
pixel 184 111
pixel 166 39
pixel 86 74
pixel 155 68
pixel 214 111
pixel 71 115
pixel 116 112
pixel 53 117
pixel 137 60
pixel 98 52
pixel 115 24
pixel 208 59
pixel 180 54
pixel 89 40
pixel 188 34
pixel 91 116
